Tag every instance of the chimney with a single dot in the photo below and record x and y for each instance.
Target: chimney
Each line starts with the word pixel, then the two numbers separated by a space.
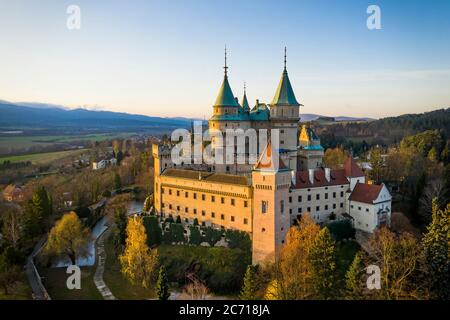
pixel 236 99
pixel 257 102
pixel 328 174
pixel 294 177
pixel 311 175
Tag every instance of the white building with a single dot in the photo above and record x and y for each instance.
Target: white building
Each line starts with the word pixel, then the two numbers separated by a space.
pixel 101 164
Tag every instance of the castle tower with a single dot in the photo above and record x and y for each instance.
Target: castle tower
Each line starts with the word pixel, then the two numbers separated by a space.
pixel 227 114
pixel 161 161
pixel 271 180
pixel 284 115
pixel 310 153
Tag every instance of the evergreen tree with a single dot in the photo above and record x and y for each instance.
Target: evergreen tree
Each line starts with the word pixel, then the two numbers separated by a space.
pixel 162 286
pixel 117 181
pixel 323 262
pixel 153 230
pixel 37 210
pixel 250 286
pixel 436 243
pixel 121 220
pixel 354 279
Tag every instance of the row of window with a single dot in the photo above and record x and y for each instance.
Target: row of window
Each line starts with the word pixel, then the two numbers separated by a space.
pixel 212 198
pixel 359 208
pixel 203 213
pixel 309 197
pixel 326 207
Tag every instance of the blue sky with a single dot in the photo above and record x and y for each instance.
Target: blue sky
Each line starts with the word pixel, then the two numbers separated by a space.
pixel 165 58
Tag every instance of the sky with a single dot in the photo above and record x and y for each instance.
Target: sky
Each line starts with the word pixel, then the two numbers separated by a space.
pixel 165 58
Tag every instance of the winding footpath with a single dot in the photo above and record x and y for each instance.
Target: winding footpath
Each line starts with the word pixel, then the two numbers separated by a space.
pixel 101 258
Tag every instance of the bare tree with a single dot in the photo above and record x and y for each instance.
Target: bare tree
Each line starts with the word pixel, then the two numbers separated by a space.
pixel 434 189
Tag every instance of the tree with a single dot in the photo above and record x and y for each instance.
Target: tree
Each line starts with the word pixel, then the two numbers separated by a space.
pixel 354 279
pixel 117 181
pixel 195 238
pixel 323 262
pixel 433 191
pixel 162 287
pixel 376 162
pixel 334 157
pixel 9 273
pixel 68 237
pixel 12 226
pixel 398 257
pixel 250 286
pixel 138 262
pixel 153 230
pixel 436 243
pixel 148 203
pixel 293 270
pixel 37 210
pixel 121 219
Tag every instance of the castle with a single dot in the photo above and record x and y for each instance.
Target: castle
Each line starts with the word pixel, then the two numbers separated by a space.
pixel 267 197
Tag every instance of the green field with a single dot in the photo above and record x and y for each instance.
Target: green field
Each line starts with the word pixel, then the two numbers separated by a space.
pixel 18 142
pixel 43 158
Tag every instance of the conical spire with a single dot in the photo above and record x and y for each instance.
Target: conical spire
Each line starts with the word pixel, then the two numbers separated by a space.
pixel 270 160
pixel 244 103
pixel 284 94
pixel 225 98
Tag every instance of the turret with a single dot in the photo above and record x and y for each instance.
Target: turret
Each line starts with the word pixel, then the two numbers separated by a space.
pixel 271 180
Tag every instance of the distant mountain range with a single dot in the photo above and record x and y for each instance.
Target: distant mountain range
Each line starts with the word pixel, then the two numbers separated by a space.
pixel 306 117
pixel 44 115
pixel 30 114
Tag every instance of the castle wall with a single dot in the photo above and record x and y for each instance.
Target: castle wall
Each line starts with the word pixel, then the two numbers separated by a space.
pixel 214 204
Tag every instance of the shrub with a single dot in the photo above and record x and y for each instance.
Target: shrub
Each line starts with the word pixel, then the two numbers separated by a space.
pixel 195 237
pixel 222 269
pixel 153 230
pixel 342 229
pixel 238 239
pixel 174 234
pixel 211 235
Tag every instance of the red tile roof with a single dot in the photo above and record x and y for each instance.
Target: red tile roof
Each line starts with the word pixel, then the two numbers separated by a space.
pixel 337 178
pixel 352 169
pixel 365 193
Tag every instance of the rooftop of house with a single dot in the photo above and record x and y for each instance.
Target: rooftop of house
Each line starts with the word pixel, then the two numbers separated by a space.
pixel 337 177
pixel 366 193
pixel 10 189
pixel 352 169
pixel 206 176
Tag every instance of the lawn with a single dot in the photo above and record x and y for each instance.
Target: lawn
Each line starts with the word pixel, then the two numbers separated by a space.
pixel 55 283
pixel 20 291
pixel 23 142
pixel 120 287
pixel 43 158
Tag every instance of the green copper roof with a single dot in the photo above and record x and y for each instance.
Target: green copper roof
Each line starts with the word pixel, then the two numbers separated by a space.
pixel 245 104
pixel 231 117
pixel 225 98
pixel 284 94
